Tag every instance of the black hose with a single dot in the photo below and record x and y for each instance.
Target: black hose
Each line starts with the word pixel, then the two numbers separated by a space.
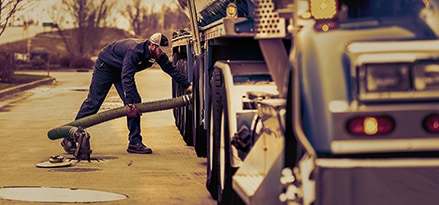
pixel 152 106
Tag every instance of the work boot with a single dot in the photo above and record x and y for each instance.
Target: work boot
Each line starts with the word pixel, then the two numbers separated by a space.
pixel 68 145
pixel 139 148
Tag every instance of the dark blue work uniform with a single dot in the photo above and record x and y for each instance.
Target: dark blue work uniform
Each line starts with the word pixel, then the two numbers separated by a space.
pixel 116 65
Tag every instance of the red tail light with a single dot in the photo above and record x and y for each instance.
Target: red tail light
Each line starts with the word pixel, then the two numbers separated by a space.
pixel 431 123
pixel 325 25
pixel 370 125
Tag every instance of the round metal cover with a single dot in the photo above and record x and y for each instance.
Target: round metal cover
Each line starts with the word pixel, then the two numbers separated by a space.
pixel 58 194
pixel 48 164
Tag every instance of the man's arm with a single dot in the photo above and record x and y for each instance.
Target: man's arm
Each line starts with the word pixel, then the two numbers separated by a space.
pixel 178 76
pixel 127 76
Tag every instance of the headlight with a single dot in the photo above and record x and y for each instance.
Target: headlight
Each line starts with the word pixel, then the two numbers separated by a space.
pixel 387 77
pixel 426 76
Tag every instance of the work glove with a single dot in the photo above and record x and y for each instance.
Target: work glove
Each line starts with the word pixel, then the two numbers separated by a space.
pixel 133 111
pixel 189 89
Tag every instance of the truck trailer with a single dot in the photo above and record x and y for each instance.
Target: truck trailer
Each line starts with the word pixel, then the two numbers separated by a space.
pixel 313 101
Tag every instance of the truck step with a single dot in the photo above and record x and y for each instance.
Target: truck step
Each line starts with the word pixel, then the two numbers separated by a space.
pixel 249 183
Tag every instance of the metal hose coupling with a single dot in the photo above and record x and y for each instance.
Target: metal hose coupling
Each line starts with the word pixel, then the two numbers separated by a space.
pixel 85 122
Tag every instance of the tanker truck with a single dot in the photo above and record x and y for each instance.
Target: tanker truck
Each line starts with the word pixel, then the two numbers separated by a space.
pixel 313 101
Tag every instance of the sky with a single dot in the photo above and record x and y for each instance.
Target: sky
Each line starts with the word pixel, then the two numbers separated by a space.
pixel 40 11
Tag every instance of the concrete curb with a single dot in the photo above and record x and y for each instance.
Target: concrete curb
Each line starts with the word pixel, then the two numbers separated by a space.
pixel 27 86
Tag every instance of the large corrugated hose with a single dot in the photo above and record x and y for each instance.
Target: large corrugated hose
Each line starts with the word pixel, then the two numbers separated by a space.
pixel 152 106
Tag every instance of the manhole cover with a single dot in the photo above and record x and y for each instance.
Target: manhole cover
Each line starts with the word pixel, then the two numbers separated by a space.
pixel 76 169
pixel 58 194
pixel 103 158
pixel 94 159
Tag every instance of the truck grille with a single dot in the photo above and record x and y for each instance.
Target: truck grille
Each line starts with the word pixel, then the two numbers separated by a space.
pixel 268 23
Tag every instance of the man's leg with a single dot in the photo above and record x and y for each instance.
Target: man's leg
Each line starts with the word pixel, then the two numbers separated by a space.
pixel 101 82
pixel 133 122
pixel 134 137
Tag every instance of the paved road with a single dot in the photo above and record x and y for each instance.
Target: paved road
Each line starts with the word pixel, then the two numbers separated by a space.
pixel 171 175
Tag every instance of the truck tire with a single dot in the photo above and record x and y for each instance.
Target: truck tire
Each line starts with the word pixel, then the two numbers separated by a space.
pixel 212 173
pixel 174 91
pixel 177 93
pixel 184 114
pixel 199 134
pixel 212 142
pixel 221 139
pixel 179 67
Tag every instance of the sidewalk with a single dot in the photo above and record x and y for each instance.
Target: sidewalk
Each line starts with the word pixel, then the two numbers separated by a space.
pixel 22 87
pixel 172 174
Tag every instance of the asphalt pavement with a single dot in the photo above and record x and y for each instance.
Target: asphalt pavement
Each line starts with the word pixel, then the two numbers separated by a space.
pixel 173 174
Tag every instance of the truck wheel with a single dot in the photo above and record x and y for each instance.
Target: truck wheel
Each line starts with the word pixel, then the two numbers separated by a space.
pixel 188 126
pixel 199 134
pixel 177 111
pixel 225 169
pixel 184 116
pixel 186 113
pixel 174 92
pixel 212 173
pixel 213 141
pixel 221 139
pixel 200 141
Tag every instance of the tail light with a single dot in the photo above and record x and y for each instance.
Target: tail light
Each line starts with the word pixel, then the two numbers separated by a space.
pixel 431 123
pixel 370 125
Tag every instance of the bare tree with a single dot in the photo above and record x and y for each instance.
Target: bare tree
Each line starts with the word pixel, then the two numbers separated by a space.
pixel 89 17
pixel 140 17
pixel 146 20
pixel 174 17
pixel 135 13
pixel 7 10
pixel 58 18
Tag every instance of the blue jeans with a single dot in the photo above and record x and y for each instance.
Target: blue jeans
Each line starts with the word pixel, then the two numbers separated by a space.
pixel 102 79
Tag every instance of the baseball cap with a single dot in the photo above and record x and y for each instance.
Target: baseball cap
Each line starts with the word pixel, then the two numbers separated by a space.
pixel 159 39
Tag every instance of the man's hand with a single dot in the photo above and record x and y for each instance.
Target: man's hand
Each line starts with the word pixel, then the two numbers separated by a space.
pixel 133 111
pixel 189 89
